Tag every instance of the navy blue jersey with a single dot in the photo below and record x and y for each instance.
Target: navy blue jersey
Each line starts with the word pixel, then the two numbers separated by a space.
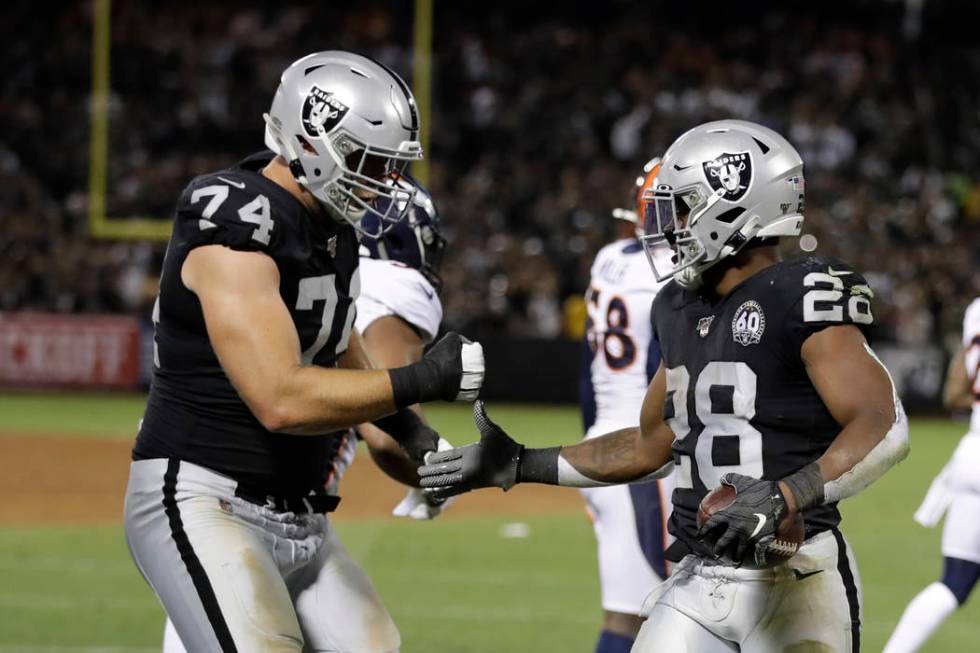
pixel 738 395
pixel 193 411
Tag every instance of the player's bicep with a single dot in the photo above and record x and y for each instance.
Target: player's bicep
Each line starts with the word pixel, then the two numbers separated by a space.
pixel 248 324
pixel 393 342
pixel 849 378
pixel 357 357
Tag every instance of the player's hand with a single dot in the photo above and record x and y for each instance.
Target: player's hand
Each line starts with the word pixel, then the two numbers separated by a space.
pixel 460 366
pixel 421 505
pixel 749 524
pixel 420 441
pixel 491 462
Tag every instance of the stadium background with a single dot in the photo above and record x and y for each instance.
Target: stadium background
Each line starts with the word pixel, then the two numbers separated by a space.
pixel 540 117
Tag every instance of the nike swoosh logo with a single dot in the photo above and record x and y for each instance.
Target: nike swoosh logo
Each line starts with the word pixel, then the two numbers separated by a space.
pixel 428 293
pixel 837 273
pixel 682 168
pixel 758 527
pixel 801 576
pixel 236 184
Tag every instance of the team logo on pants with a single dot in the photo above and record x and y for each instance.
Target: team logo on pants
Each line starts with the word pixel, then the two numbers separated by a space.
pixel 748 324
pixel 733 172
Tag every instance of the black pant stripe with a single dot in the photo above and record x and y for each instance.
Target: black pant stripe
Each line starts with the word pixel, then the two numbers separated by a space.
pixel 201 583
pixel 850 587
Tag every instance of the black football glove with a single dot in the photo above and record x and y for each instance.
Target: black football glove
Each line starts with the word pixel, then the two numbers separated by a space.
pixel 452 369
pixel 749 523
pixel 491 462
pixel 415 436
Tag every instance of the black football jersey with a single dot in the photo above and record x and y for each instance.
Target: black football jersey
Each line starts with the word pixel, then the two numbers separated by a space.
pixel 738 395
pixel 193 411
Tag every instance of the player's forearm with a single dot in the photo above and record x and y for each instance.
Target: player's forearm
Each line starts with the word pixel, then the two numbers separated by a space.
pixel 391 458
pixel 311 400
pixel 617 457
pixel 863 452
pixel 316 400
pixel 866 448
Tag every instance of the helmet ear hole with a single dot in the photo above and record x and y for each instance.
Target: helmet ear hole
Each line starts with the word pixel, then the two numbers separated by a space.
pixel 307 146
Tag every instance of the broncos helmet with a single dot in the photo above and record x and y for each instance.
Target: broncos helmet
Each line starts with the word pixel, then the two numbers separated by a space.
pixel 415 241
pixel 721 185
pixel 643 182
pixel 345 124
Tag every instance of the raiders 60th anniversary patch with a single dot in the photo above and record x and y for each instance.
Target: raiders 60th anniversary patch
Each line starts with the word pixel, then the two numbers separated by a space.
pixel 748 324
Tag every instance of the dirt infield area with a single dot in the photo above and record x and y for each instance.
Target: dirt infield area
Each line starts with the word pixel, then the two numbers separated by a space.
pixel 52 479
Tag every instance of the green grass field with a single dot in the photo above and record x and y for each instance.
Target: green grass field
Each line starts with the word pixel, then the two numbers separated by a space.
pixel 453 586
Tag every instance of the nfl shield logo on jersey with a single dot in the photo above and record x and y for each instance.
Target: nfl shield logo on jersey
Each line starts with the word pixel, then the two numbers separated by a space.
pixel 704 324
pixel 322 109
pixel 748 324
pixel 733 172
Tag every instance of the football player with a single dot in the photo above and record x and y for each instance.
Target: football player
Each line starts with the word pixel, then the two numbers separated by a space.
pixel 398 313
pixel 955 492
pixel 259 370
pixel 620 357
pixel 767 384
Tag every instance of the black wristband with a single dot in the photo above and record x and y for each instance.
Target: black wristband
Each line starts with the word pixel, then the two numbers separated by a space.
pixel 807 487
pixel 538 466
pixel 416 383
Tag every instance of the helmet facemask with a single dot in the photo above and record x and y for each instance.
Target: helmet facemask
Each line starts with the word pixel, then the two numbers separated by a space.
pixel 362 167
pixel 669 219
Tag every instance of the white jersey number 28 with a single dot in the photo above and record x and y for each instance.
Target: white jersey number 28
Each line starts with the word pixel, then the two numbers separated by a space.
pixel 722 377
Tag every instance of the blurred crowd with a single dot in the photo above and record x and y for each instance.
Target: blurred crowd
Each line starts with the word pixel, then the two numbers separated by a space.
pixel 541 120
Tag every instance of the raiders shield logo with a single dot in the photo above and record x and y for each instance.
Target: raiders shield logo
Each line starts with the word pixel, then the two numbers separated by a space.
pixel 322 109
pixel 733 172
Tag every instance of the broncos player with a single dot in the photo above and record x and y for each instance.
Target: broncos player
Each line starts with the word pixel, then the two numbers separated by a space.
pixel 398 313
pixel 619 359
pixel 767 384
pixel 955 492
pixel 259 370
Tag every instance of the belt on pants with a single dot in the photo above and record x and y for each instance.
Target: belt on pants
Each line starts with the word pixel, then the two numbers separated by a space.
pixel 310 504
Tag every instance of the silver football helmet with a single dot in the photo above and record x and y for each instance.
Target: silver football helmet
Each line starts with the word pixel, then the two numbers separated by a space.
pixel 345 125
pixel 721 185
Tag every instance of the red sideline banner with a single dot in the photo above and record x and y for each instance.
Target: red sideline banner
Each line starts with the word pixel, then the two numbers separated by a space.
pixel 40 349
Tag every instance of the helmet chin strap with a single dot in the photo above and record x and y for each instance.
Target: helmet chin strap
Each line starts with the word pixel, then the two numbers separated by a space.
pixel 738 239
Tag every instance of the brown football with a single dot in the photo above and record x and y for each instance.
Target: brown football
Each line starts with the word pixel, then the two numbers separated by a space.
pixel 789 535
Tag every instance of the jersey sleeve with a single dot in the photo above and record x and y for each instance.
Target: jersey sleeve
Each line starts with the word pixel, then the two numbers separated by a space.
pixel 828 293
pixel 388 288
pixel 212 211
